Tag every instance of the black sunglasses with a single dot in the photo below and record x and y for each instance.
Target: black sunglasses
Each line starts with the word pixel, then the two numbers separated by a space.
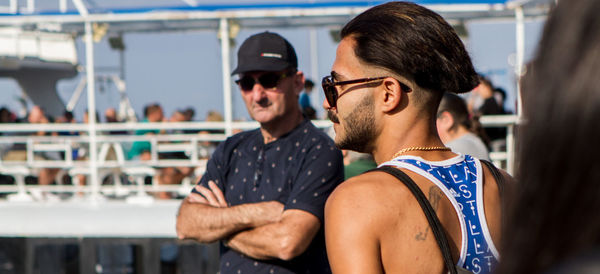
pixel 331 93
pixel 268 80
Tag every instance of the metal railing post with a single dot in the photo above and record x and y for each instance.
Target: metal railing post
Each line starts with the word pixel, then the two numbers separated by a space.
pixel 510 149
pixel 520 48
pixel 226 70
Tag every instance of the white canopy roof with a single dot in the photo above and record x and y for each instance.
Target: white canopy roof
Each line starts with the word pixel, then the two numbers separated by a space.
pixel 174 15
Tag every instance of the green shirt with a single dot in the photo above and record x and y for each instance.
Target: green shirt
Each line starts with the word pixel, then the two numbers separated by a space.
pixel 358 167
pixel 138 147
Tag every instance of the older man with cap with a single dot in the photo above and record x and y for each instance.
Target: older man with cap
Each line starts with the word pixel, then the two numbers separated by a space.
pixel 264 190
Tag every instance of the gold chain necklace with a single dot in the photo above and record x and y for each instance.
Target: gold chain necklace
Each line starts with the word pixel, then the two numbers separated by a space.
pixel 419 148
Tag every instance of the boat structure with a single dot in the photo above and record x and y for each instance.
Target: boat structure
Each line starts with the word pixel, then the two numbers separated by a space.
pixel 107 203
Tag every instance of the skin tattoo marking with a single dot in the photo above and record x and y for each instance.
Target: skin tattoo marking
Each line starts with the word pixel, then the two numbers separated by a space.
pixel 435 195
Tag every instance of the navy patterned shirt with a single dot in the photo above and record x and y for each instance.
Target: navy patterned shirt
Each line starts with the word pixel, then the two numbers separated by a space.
pixel 299 169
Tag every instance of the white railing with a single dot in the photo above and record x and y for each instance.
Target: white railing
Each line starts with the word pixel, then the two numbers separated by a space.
pixel 33 147
pixel 503 159
pixel 196 146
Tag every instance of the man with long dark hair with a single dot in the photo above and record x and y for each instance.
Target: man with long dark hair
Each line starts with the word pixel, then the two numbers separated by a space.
pixel 392 66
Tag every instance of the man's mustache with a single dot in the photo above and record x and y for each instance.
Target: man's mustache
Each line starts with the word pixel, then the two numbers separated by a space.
pixel 264 102
pixel 332 116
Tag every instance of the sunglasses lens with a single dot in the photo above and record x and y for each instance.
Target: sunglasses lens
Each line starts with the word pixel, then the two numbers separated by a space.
pixel 269 80
pixel 246 83
pixel 330 91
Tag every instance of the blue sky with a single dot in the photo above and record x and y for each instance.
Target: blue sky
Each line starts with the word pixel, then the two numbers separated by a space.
pixel 183 69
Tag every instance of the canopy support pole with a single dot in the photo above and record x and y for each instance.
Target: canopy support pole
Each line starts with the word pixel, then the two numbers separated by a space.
pixel 91 100
pixel 520 44
pixel 520 40
pixel 226 70
pixel 314 67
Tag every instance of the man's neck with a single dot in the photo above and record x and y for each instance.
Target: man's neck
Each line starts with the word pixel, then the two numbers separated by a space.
pixel 406 133
pixel 457 133
pixel 275 129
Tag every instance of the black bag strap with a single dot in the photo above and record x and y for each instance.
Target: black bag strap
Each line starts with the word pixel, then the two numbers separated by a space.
pixel 434 222
pixel 501 183
pixel 497 176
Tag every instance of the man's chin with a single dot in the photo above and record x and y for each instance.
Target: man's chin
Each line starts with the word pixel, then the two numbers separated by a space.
pixel 261 115
pixel 344 143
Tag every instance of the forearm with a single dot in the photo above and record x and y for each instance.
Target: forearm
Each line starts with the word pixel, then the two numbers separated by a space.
pixel 206 223
pixel 283 240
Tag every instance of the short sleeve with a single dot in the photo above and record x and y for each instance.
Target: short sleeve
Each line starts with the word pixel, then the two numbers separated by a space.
pixel 215 169
pixel 321 171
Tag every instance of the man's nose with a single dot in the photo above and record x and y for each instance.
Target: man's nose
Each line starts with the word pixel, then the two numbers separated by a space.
pixel 258 92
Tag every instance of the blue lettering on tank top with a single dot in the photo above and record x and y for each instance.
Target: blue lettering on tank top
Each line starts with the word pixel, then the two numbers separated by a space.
pixel 460 181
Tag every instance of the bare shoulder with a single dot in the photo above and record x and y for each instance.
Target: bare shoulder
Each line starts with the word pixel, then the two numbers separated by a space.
pixel 508 179
pixel 377 214
pixel 373 195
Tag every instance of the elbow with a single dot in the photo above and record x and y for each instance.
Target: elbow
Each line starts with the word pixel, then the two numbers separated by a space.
pixel 182 228
pixel 187 228
pixel 290 248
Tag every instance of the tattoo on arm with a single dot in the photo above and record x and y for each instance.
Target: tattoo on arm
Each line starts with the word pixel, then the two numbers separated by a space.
pixel 435 195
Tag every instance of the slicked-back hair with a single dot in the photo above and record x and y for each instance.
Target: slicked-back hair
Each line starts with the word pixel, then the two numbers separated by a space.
pixel 555 215
pixel 414 42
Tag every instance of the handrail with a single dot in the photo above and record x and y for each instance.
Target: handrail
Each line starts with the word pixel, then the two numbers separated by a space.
pixel 190 143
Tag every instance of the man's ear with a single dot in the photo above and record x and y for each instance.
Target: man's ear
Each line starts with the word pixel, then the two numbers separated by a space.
pixel 445 121
pixel 299 82
pixel 392 95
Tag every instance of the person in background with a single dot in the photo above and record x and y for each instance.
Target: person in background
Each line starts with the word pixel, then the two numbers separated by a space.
pixel 208 147
pixel 46 176
pixel 307 109
pixel 457 130
pixel 18 152
pixel 110 116
pixel 554 225
pixel 6 116
pixel 500 96
pixel 68 118
pixel 140 150
pixel 189 113
pixel 264 190
pixel 175 174
pixel 488 105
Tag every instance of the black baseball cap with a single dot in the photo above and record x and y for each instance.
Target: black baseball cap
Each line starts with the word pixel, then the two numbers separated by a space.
pixel 266 51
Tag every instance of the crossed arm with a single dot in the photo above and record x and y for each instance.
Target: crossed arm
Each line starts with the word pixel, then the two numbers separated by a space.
pixel 259 230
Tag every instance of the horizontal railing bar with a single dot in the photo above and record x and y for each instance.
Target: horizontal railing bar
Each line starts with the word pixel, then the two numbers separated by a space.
pixel 86 188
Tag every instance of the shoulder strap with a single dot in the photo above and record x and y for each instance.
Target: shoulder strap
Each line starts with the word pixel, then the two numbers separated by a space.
pixel 434 222
pixel 501 186
pixel 497 177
